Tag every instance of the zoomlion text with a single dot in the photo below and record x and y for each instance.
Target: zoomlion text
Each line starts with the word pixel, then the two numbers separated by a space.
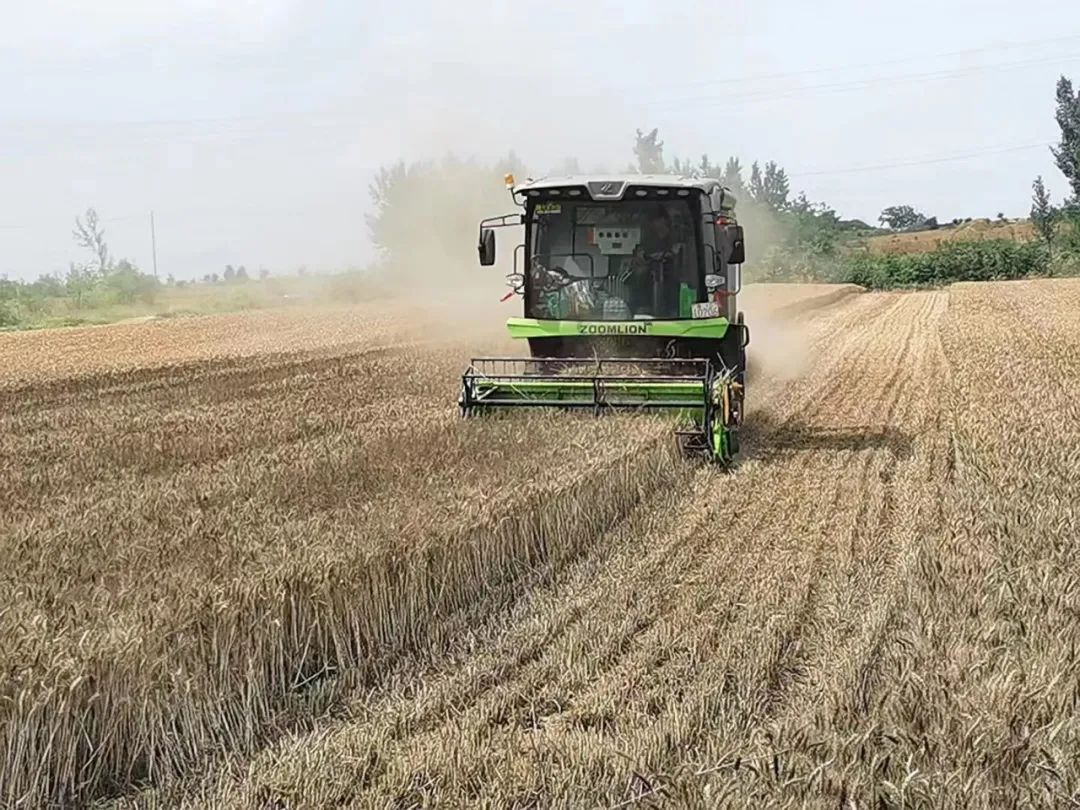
pixel 613 329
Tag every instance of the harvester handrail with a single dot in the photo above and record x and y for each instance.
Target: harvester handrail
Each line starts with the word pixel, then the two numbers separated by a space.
pixel 588 368
pixel 644 379
pixel 649 360
pixel 584 403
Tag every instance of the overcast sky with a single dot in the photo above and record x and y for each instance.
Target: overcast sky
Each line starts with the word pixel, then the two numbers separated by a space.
pixel 253 128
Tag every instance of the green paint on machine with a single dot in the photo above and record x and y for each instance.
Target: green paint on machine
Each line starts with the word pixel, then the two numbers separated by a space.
pixel 537 328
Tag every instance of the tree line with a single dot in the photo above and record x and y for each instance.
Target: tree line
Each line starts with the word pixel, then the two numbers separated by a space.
pixel 425 213
pixel 790 237
pixel 99 280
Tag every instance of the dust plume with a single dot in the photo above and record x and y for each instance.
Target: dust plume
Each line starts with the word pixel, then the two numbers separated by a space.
pixel 778 346
pixel 781 317
pixel 427 223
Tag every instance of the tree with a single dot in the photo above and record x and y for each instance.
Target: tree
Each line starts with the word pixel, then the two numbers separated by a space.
pixel 732 176
pixel 263 274
pixel 1067 152
pixel 649 151
pixel 811 227
pixel 241 273
pixel 511 164
pixel 402 192
pixel 230 273
pixel 757 184
pixel 1043 213
pixel 127 284
pixel 569 167
pixel 771 187
pixel 90 235
pixel 775 187
pixel 902 218
pixel 79 281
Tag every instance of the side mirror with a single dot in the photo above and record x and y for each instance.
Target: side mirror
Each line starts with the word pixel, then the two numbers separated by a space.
pixel 487 247
pixel 738 247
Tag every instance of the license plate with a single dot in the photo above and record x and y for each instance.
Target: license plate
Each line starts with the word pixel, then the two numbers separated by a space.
pixel 709 309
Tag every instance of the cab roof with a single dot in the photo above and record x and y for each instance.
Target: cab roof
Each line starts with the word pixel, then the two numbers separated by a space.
pixel 706 184
pixel 614 186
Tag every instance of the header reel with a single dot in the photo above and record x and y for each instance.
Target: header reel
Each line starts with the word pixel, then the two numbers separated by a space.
pixel 705 401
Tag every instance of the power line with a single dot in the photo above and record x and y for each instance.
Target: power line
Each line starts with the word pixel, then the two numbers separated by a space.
pixel 859 84
pixel 926 161
pixel 922 162
pixel 8 226
pixel 332 122
pixel 860 66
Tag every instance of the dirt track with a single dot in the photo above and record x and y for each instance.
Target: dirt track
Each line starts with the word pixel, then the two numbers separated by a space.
pixel 805 630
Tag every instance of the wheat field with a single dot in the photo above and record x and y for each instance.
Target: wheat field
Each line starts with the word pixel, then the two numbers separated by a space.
pixel 259 561
pixel 974 231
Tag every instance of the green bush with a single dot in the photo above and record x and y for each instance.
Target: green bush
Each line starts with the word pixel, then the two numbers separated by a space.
pixel 125 284
pixel 9 316
pixel 1068 231
pixel 1065 264
pixel 782 264
pixel 991 260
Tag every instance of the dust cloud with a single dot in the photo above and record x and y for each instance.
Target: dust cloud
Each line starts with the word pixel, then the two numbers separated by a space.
pixel 428 229
pixel 779 346
pixel 431 232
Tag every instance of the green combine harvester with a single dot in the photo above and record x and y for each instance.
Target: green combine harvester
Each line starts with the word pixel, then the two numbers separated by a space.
pixel 630 289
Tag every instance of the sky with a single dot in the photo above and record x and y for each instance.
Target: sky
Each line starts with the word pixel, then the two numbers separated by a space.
pixel 253 129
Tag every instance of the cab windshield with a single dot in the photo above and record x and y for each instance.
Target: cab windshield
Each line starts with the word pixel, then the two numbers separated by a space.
pixel 614 261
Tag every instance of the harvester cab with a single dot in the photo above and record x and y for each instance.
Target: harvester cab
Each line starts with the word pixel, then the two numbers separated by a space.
pixel 630 289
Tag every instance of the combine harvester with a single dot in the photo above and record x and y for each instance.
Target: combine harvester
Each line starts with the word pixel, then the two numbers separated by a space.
pixel 629 288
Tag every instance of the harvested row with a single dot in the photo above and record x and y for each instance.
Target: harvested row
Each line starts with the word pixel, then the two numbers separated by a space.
pixel 784 300
pixel 38 357
pixel 185 417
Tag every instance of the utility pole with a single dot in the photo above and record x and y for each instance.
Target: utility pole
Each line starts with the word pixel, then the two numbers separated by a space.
pixel 153 242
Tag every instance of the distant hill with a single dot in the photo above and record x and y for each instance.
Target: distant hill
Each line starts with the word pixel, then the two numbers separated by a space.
pixel 1018 230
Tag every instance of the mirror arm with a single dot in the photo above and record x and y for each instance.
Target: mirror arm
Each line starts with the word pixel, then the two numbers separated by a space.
pixel 505 221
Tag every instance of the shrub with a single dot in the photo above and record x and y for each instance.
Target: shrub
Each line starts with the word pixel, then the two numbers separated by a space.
pixel 991 260
pixel 125 284
pixel 9 316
